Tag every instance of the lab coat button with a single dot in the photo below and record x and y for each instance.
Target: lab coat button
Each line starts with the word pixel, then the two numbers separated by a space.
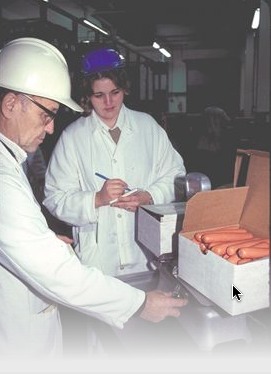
pixel 119 215
pixel 115 161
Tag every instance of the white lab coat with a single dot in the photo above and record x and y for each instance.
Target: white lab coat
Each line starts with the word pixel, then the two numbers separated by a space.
pixel 38 271
pixel 143 157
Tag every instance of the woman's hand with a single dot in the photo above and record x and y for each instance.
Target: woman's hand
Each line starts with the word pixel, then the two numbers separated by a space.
pixel 132 202
pixel 112 189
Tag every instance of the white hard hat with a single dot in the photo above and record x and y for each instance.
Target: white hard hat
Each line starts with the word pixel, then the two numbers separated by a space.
pixel 35 67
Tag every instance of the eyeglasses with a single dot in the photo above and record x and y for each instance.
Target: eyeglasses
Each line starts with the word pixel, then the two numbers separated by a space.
pixel 51 114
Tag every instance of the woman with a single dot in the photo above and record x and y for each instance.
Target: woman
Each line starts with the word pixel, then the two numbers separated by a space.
pixel 142 157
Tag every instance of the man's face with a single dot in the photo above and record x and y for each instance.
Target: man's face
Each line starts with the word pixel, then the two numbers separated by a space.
pixel 34 123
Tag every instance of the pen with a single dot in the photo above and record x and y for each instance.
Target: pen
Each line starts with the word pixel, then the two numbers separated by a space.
pixel 106 178
pixel 102 176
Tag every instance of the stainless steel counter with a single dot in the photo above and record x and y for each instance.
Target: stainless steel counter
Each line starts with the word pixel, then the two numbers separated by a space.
pixel 202 329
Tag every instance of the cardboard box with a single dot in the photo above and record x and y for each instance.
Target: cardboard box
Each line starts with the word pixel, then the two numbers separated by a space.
pixel 246 207
pixel 157 225
pixel 243 169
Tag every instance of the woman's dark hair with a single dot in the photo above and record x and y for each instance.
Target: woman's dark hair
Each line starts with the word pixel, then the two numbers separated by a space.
pixel 118 76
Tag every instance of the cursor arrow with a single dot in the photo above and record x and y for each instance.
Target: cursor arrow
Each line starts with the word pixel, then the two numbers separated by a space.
pixel 235 293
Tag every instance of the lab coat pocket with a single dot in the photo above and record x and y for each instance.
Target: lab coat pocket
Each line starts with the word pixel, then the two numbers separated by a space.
pixel 87 249
pixel 46 332
pixel 36 304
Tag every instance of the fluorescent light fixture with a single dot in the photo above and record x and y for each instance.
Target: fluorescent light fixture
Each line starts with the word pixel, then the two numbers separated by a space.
pixel 87 22
pixel 256 19
pixel 162 50
pixel 155 45
pixel 165 52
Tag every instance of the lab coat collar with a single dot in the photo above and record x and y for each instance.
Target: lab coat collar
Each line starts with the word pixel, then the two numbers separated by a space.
pixel 122 122
pixel 19 153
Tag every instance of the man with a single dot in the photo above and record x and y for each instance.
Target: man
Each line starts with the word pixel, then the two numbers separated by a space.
pixel 142 156
pixel 38 271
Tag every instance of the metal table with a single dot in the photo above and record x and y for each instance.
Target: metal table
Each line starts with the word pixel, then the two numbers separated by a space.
pixel 202 329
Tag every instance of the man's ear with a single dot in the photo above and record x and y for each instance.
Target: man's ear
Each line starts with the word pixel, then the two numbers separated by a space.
pixel 9 104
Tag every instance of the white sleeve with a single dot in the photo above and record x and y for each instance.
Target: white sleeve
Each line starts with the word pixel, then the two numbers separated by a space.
pixel 34 254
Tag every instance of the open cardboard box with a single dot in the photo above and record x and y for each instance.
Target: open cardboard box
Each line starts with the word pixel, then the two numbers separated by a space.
pixel 246 207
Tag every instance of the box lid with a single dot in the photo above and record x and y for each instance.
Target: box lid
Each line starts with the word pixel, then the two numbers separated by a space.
pixel 156 226
pixel 257 208
pixel 164 212
pixel 209 209
pixel 242 164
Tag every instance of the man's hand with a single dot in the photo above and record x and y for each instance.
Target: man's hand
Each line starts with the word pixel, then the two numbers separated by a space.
pixel 65 239
pixel 160 305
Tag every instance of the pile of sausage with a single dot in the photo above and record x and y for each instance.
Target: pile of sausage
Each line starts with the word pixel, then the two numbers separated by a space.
pixel 236 245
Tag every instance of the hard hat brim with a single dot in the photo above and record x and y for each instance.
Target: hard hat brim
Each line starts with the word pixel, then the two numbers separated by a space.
pixel 72 105
pixel 42 71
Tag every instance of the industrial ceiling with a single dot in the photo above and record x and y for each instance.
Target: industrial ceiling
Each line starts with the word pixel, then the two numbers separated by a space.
pixel 185 24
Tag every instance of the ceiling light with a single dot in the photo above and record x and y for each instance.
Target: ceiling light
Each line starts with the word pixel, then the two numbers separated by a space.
pixel 155 45
pixel 87 22
pixel 256 19
pixel 165 52
pixel 162 50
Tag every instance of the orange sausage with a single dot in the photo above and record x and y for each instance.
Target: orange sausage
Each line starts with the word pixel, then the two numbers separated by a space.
pixel 244 261
pixel 262 245
pixel 212 244
pixel 233 259
pixel 230 236
pixel 231 249
pixel 219 248
pixel 252 252
pixel 203 248
pixel 198 235
pixel 201 245
pixel 195 241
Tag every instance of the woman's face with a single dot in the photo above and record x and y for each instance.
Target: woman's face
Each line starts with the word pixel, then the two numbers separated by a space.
pixel 107 100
